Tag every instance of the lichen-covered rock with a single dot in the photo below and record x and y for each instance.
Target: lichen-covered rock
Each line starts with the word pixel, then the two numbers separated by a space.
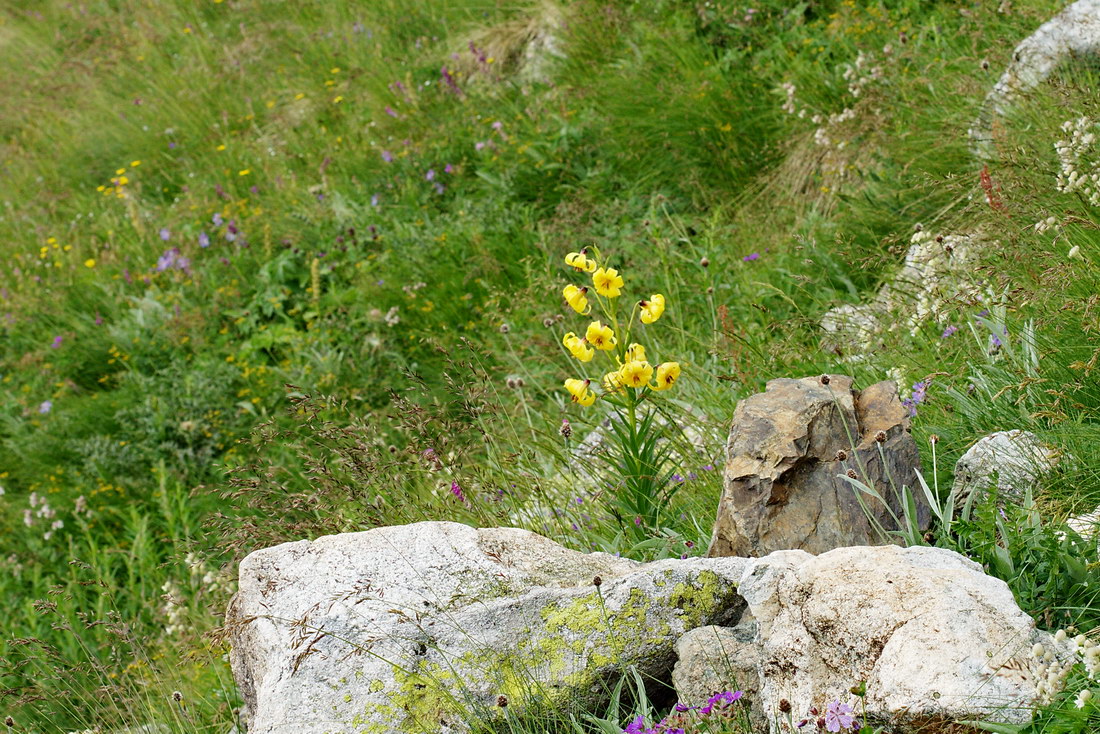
pixel 420 628
pixel 933 637
pixel 1072 33
pixel 713 659
pixel 788 450
pixel 1012 461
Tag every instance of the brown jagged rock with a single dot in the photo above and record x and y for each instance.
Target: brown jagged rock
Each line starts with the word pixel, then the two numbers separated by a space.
pixel 788 451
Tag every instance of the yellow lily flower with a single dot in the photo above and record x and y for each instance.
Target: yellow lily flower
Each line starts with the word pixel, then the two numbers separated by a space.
pixel 579 261
pixel 667 373
pixel 636 373
pixel 600 336
pixel 653 308
pixel 580 392
pixel 577 347
pixel 635 353
pixel 612 381
pixel 608 282
pixel 576 298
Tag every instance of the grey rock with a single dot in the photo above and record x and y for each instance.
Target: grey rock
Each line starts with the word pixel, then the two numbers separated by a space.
pixel 788 450
pixel 713 659
pixel 933 637
pixel 419 628
pixel 1012 461
pixel 1072 33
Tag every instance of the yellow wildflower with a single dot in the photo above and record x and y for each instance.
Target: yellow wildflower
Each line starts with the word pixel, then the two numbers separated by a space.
pixel 579 261
pixel 635 353
pixel 608 282
pixel 667 373
pixel 89 263
pixel 636 373
pixel 577 347
pixel 653 308
pixel 600 336
pixel 580 392
pixel 576 298
pixel 612 381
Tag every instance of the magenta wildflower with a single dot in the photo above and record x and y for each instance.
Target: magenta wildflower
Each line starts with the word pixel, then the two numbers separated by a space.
pixel 165 234
pixel 204 239
pixel 56 342
pixel 390 111
pixel 456 490
pixel 753 256
pixel 948 331
pixel 448 168
pixel 387 156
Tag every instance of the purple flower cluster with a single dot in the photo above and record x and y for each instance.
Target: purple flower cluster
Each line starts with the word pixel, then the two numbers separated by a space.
pixel 171 260
pixel 717 705
pixel 920 390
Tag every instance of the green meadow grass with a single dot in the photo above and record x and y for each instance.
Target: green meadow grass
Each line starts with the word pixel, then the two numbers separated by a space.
pixel 260 257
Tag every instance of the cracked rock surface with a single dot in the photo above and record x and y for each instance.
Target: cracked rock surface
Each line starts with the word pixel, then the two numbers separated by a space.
pixel 789 448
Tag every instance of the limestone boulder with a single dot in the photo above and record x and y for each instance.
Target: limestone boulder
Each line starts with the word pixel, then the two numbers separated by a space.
pixel 1012 462
pixel 933 637
pixel 1072 34
pixel 423 627
pixel 789 450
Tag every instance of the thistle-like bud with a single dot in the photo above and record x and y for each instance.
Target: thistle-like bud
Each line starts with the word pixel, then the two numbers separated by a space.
pixel 597 581
pixel 880 437
pixel 825 379
pixel 502 701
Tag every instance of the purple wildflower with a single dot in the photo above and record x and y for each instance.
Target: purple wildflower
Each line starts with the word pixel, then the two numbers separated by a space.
pixel 390 111
pixel 430 175
pixel 217 219
pixel 387 156
pixel 751 257
pixel 637 726
pixel 439 188
pixel 677 478
pixel 449 78
pixel 448 168
pixel 165 234
pixel 171 144
pixel 498 125
pixel 708 467
pixel 456 490
pixel 720 701
pixel 838 716
pixel 920 390
pixel 98 319
pixel 171 260
pixel 638 521
pixel 948 332
pixel 479 145
pixel 374 200
pixel 204 239
pixel 45 407
pixel 56 342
